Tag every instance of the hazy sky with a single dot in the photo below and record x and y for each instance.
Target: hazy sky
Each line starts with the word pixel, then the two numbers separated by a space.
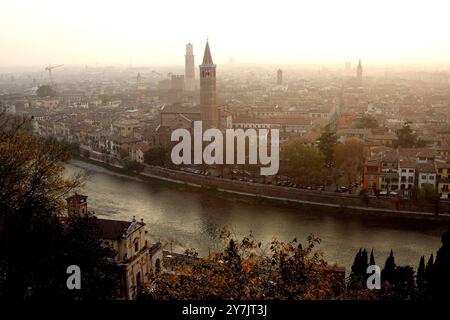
pixel 149 32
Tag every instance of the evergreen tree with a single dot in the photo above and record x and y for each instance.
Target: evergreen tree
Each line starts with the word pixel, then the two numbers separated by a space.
pixel 403 281
pixel 327 142
pixel 440 271
pixel 421 269
pixel 372 258
pixel 406 138
pixel 357 262
pixel 428 268
pixel 388 273
pixel 364 262
pixel 359 268
pixel 420 278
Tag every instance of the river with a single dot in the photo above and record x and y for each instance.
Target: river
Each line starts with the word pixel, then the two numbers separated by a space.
pixel 187 217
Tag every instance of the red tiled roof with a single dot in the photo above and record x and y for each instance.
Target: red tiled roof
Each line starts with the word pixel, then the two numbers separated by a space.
pixel 112 229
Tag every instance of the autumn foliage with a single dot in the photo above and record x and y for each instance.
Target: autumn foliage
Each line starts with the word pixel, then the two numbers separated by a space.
pixel 249 270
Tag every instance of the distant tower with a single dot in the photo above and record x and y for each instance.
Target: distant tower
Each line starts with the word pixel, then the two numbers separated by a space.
pixel 208 104
pixel 77 205
pixel 359 72
pixel 279 77
pixel 189 67
pixel 138 78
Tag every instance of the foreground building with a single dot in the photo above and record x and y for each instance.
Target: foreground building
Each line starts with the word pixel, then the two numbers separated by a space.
pixel 137 258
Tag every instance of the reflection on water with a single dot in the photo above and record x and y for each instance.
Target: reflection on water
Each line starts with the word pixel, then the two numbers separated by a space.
pixel 190 218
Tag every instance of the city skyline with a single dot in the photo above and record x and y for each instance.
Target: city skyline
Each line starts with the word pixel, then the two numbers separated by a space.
pixel 288 33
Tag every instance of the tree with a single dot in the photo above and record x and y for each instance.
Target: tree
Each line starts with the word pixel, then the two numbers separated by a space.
pixel 359 268
pixel 368 122
pixel 420 278
pixel 398 281
pixel 305 164
pixel 372 259
pixel 105 98
pixel 36 247
pixel 404 286
pixel 439 271
pixel 427 193
pixel 388 273
pixel 45 91
pixel 132 165
pixel 429 268
pixel 327 141
pixel 349 160
pixel 247 270
pixel 406 138
pixel 101 276
pixel 155 156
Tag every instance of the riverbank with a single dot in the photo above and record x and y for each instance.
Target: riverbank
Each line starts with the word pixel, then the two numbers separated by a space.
pixel 261 193
pixel 192 217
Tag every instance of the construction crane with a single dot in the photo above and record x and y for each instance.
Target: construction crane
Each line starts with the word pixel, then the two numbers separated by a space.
pixel 159 74
pixel 49 68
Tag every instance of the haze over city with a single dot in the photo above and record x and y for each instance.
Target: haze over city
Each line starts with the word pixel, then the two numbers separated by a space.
pixel 261 151
pixel 278 32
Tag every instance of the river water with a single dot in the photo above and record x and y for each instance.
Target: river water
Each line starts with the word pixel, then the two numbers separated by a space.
pixel 189 218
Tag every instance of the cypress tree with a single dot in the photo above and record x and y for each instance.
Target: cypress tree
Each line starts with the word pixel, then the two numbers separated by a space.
pixel 421 269
pixel 388 273
pixel 420 277
pixel 440 276
pixel 356 262
pixel 355 276
pixel 428 268
pixel 372 258
pixel 364 263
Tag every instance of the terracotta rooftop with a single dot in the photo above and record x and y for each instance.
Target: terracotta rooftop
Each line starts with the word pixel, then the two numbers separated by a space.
pixel 113 229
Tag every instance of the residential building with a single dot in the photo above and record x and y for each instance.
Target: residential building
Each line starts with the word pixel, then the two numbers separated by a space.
pixel 426 175
pixel 137 259
pixel 371 176
pixel 407 175
pixel 443 180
